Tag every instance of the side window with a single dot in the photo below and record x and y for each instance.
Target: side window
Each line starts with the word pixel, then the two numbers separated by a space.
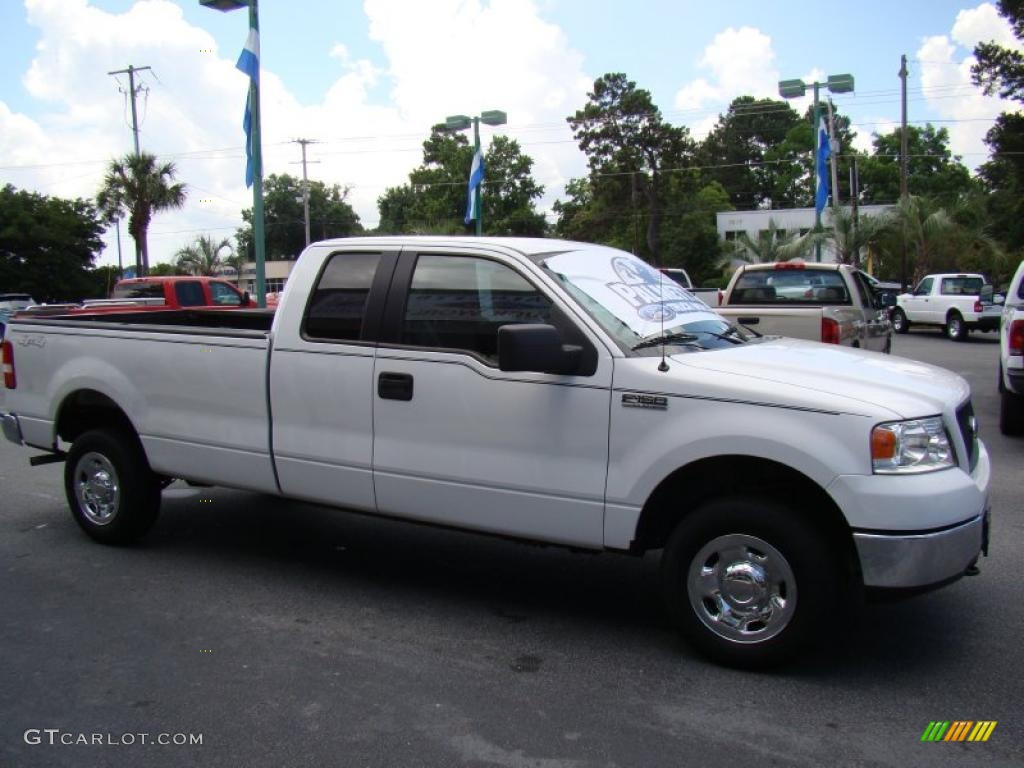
pixel 459 302
pixel 189 293
pixel 138 291
pixel 867 295
pixel 336 309
pixel 924 287
pixel 223 295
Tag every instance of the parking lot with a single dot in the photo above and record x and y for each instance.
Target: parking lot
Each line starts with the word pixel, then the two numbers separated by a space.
pixel 290 634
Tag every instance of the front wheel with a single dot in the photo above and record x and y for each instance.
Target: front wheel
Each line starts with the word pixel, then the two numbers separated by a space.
pixel 113 494
pixel 956 328
pixel 900 324
pixel 749 583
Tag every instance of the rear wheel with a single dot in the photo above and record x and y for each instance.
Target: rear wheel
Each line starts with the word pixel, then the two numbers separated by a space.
pixel 956 328
pixel 749 583
pixel 1011 410
pixel 900 324
pixel 113 494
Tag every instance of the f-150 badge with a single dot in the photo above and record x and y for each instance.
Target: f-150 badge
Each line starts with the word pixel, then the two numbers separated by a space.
pixel 645 401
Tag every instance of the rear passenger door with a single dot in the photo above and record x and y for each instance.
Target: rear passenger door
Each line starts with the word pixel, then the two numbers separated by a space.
pixel 460 442
pixel 321 379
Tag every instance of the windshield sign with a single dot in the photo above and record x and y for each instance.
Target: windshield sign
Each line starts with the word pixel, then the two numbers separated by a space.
pixel 630 289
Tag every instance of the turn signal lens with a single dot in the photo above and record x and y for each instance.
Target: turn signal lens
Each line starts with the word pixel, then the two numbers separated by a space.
pixel 883 445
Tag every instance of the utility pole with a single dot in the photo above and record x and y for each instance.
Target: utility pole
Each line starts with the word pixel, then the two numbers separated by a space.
pixel 904 192
pixel 133 91
pixel 305 182
pixel 833 146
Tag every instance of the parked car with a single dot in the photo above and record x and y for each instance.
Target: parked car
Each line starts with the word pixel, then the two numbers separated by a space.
pixel 831 303
pixel 11 303
pixel 1011 358
pixel 560 392
pixel 710 296
pixel 957 303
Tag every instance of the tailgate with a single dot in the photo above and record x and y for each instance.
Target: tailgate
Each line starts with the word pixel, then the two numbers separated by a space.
pixel 794 322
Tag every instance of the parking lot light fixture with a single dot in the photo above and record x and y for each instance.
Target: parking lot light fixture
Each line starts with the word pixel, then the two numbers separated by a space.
pixel 490 117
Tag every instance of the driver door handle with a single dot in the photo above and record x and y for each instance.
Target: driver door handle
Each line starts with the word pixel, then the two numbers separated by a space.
pixel 394 386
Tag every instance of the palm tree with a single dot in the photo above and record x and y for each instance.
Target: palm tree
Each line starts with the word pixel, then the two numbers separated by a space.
pixel 237 261
pixel 138 186
pixel 849 236
pixel 203 257
pixel 926 229
pixel 772 245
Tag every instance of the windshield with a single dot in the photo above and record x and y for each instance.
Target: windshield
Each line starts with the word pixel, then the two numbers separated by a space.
pixel 15 301
pixel 636 304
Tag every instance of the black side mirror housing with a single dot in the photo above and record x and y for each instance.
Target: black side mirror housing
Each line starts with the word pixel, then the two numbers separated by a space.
pixel 537 348
pixel 888 299
pixel 246 299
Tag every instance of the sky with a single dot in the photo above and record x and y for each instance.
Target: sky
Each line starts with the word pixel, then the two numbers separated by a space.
pixel 366 80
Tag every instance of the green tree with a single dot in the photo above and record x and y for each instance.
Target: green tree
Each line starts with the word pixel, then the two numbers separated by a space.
pixel 204 256
pixel 330 215
pixel 164 269
pixel 998 69
pixel 736 151
pixel 434 200
pixel 927 230
pixel 932 169
pixel 630 148
pixel 47 245
pixel 690 235
pixel 139 187
pixel 772 244
pixel 852 237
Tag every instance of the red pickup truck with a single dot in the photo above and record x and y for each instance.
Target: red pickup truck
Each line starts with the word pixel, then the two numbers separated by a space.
pixel 147 294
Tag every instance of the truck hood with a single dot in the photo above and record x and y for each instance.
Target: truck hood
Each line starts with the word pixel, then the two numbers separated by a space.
pixel 835 377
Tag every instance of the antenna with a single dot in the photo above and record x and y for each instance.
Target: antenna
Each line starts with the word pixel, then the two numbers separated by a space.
pixel 662 366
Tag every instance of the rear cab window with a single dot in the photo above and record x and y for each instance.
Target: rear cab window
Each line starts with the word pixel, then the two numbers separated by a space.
pixel 790 286
pixel 961 285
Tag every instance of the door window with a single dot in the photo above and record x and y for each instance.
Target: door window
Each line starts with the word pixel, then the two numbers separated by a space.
pixel 338 304
pixel 460 302
pixel 223 295
pixel 189 294
pixel 924 287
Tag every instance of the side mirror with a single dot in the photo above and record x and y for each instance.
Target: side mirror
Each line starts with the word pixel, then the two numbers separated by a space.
pixel 536 348
pixel 246 299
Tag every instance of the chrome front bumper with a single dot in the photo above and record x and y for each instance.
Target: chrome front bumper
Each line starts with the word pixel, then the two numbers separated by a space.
pixel 11 427
pixel 919 560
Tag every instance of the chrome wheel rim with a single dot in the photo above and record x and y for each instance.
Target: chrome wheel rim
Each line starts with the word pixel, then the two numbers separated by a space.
pixel 954 327
pixel 97 488
pixel 897 321
pixel 742 588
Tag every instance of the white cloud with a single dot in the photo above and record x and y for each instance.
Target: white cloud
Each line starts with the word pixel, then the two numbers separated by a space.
pixel 945 76
pixel 740 62
pixel 195 99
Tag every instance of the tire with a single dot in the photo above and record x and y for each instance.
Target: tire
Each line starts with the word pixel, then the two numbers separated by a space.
pixel 113 494
pixel 900 324
pixel 956 328
pixel 770 585
pixel 1011 411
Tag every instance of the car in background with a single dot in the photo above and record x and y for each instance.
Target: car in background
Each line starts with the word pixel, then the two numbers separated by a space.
pixel 955 302
pixel 830 303
pixel 11 303
pixel 1011 358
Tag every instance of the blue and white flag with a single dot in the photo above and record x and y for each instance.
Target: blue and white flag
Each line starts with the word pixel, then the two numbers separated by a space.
pixel 249 62
pixel 824 150
pixel 476 176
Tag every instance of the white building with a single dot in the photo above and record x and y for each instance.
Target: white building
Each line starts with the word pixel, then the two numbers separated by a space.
pixel 788 220
pixel 276 273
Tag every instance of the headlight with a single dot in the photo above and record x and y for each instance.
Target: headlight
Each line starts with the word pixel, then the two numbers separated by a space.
pixel 906 447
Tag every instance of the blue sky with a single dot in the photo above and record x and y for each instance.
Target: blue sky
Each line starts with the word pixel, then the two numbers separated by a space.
pixel 367 79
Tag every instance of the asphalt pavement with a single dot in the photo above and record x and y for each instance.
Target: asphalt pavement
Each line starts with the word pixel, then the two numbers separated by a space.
pixel 287 634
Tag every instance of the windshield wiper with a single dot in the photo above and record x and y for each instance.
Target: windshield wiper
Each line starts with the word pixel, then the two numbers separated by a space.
pixel 733 336
pixel 684 339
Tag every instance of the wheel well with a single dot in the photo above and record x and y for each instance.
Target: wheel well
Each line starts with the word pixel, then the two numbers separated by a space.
pixel 88 409
pixel 953 312
pixel 688 487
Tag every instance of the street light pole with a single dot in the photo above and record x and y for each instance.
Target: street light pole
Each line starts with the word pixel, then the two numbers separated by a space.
pixel 461 123
pixel 258 228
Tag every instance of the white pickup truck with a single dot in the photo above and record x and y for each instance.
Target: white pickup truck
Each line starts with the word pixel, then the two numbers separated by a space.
pixel 1011 358
pixel 831 303
pixel 537 389
pixel 956 303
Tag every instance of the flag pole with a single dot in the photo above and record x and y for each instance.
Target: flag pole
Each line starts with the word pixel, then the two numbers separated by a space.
pixel 476 193
pixel 258 231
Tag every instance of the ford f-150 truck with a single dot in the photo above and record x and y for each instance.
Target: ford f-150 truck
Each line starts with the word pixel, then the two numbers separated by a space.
pixel 1011 358
pixel 956 303
pixel 831 303
pixel 546 390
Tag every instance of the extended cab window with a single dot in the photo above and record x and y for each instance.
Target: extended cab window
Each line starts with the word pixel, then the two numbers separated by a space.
pixel 189 294
pixel 223 295
pixel 138 291
pixel 459 302
pixel 336 309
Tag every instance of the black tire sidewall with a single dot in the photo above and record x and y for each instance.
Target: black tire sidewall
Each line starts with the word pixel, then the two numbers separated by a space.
pixel 899 321
pixel 1011 413
pixel 140 491
pixel 959 335
pixel 819 581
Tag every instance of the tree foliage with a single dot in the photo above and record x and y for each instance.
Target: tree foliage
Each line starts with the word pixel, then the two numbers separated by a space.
pixel 139 187
pixel 330 215
pixel 434 200
pixel 205 256
pixel 47 245
pixel 932 169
